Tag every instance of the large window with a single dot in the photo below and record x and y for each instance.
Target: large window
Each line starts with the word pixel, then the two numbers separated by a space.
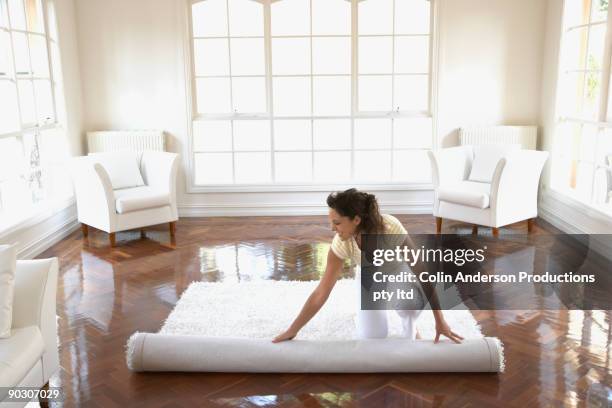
pixel 32 145
pixel 311 92
pixel 582 153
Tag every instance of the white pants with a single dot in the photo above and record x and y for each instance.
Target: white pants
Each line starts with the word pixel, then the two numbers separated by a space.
pixel 373 324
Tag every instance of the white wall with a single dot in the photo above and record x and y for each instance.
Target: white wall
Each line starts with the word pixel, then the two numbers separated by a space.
pixel 47 228
pixel 134 76
pixel 490 64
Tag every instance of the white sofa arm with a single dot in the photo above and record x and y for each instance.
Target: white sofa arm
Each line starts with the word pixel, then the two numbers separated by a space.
pixel 514 188
pixel 450 165
pixel 34 305
pixel 159 170
pixel 94 193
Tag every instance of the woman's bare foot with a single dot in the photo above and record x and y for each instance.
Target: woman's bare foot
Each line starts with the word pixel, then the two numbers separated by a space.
pixel 418 335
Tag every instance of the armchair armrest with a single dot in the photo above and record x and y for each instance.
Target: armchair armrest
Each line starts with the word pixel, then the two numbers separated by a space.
pixel 34 305
pixel 514 188
pixel 94 193
pixel 450 164
pixel 159 170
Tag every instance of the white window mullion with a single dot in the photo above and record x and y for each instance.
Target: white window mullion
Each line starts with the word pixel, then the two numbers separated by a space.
pixel 269 86
pixel 354 79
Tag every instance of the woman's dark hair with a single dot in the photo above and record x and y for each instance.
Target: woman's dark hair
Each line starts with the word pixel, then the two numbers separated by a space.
pixel 352 202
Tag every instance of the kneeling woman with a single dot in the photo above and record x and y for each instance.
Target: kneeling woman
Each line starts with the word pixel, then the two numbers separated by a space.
pixel 352 213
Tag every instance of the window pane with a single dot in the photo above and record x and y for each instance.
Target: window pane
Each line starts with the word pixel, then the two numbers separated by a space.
pixel 213 95
pixel 332 134
pixel 332 166
pixel 411 92
pixel 575 48
pixel 375 55
pixel 599 10
pixel 592 91
pixel 249 94
pixel 412 133
pixel 597 37
pixel 412 16
pixel 373 166
pixel 20 50
pixel 44 101
pixel 331 55
pixel 17 14
pixel 253 168
pixel 3 14
pixel 26 102
pixel 16 197
pixel 252 135
pixel 372 133
pixel 332 95
pixel 40 58
pixel 290 17
pixel 412 55
pixel 5 57
pixel 11 158
pixel 209 18
pixel 9 107
pixel 375 17
pixel 34 16
pixel 584 181
pixel 245 18
pixel 211 135
pixel 576 12
pixel 213 168
pixel 588 142
pixel 571 91
pixel 331 17
pixel 411 166
pixel 293 167
pixel 292 135
pixel 375 93
pixel 248 56
pixel 290 56
pixel 211 57
pixel 292 96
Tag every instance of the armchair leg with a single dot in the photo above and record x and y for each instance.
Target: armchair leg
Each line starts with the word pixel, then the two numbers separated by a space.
pixel 85 230
pixel 474 229
pixel 143 234
pixel 111 238
pixel 43 402
pixel 495 232
pixel 438 225
pixel 530 223
pixel 172 229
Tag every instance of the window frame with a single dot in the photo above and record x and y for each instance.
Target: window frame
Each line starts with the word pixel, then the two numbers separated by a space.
pixel 602 123
pixel 49 204
pixel 353 76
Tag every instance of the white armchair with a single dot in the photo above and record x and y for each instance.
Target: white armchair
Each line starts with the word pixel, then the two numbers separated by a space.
pixel 508 195
pixel 109 209
pixel 29 357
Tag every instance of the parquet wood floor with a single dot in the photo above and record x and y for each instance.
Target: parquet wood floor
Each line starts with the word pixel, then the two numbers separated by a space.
pixel 554 358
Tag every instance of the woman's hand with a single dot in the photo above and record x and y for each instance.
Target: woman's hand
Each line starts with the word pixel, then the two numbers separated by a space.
pixel 287 335
pixel 442 328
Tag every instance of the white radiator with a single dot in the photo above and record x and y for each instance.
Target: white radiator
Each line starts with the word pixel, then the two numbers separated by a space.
pixel 114 140
pixel 526 136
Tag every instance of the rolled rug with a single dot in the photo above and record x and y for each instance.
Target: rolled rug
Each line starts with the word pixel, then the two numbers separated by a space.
pixel 171 352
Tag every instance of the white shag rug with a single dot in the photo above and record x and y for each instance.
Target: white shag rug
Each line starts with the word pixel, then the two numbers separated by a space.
pixel 266 308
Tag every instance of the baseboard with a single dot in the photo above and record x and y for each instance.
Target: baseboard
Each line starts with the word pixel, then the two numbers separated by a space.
pixel 32 249
pixel 241 210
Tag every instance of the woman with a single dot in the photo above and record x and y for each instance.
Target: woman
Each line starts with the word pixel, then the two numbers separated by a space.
pixel 352 213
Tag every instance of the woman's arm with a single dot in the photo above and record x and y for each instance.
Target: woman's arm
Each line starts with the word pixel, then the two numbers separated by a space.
pixel 316 299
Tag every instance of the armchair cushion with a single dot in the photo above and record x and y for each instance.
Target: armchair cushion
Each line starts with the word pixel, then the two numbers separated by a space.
pixel 122 168
pixel 139 198
pixel 486 158
pixel 468 193
pixel 18 354
pixel 7 288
